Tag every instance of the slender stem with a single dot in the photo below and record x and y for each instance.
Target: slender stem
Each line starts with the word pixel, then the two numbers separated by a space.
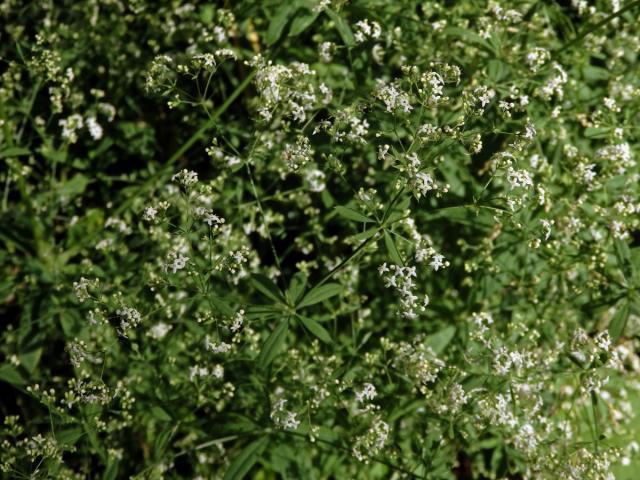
pixel 345 449
pixel 214 117
pixel 597 26
pixel 348 259
pixel 194 138
pixel 264 220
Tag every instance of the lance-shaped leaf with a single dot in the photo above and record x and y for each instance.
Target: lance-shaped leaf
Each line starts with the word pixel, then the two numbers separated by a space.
pixel 619 322
pixel 297 286
pixel 320 293
pixel 265 286
pixel 351 214
pixel 392 249
pixel 279 21
pixel 439 340
pixel 303 20
pixel 315 328
pixel 247 459
pixel 342 26
pixel 273 343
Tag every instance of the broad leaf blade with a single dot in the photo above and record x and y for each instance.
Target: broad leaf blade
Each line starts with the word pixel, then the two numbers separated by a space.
pixel 9 374
pixel 619 322
pixel 351 214
pixel 265 286
pixel 247 458
pixel 318 294
pixel 439 340
pixel 273 343
pixel 279 21
pixel 297 286
pixel 302 21
pixel 343 27
pixel 392 249
pixel 362 236
pixel 317 329
pixel 14 152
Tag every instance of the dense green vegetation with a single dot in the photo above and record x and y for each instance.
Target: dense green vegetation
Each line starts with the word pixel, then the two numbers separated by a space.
pixel 315 239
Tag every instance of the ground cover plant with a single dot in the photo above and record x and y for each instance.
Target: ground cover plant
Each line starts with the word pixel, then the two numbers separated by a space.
pixel 317 239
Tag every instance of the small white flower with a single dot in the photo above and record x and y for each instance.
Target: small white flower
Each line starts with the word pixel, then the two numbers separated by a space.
pixel 186 178
pixel 437 261
pixel 177 261
pixel 95 129
pixel 159 330
pixel 150 213
pixel 368 392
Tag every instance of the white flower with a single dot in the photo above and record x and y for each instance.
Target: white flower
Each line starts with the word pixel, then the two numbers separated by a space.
pixel 129 318
pixel 393 98
pixel 283 418
pixel 177 261
pixel 298 154
pixel 186 178
pixel 218 372
pixel 316 179
pixel 437 261
pixel 424 183
pixel 81 288
pixel 238 320
pixel 324 51
pixel 159 330
pixel 197 371
pixel 69 127
pixel 95 129
pixel 368 392
pixel 546 225
pixel 150 213
pixel 217 348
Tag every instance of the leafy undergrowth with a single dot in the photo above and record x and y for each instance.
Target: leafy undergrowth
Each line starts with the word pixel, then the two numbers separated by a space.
pixel 319 239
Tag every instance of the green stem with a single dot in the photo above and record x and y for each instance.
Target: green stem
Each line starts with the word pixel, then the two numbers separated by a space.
pixel 212 121
pixel 597 26
pixel 194 138
pixel 345 449
pixel 347 260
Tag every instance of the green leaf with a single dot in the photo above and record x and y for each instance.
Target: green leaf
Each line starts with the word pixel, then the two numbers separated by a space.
pixel 74 186
pixel 69 436
pixel 392 249
pixel 362 236
pixel 297 286
pixel 273 344
pixel 318 294
pixel 497 70
pixel 30 360
pixel 315 328
pixel 597 132
pixel 160 414
pixel 468 36
pixel 265 286
pixel 14 152
pixel 255 312
pixel 302 21
pixel 247 458
pixel 439 340
pixel 343 27
pixel 279 21
pixel 9 374
pixel 623 254
pixel 111 472
pixel 221 305
pixel 592 73
pixel 162 440
pixel 619 322
pixel 351 214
